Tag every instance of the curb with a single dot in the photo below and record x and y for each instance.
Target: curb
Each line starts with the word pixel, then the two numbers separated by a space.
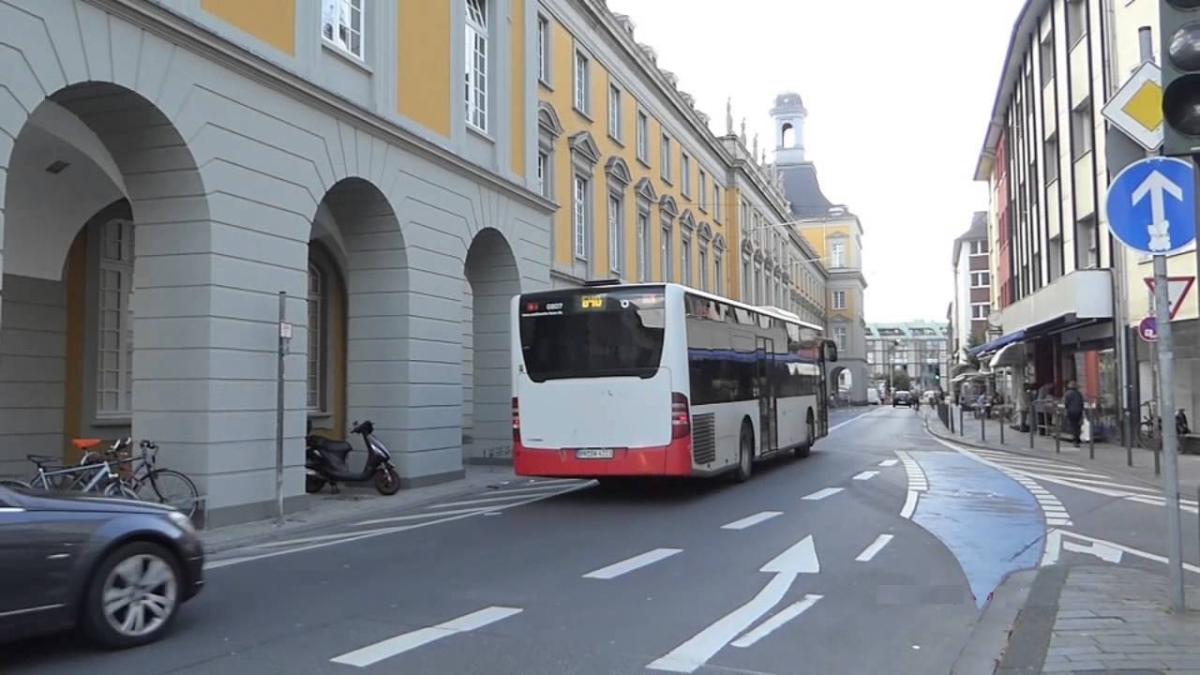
pixel 988 642
pixel 962 440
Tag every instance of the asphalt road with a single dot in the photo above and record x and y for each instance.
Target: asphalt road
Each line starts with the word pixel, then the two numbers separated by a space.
pixel 875 554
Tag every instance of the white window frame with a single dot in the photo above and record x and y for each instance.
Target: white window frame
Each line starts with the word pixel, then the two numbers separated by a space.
pixel 643 246
pixel 616 227
pixel 543 47
pixel 664 148
pixel 703 266
pixel 614 112
pixel 685 259
pixel 582 83
pixel 114 321
pixel 979 247
pixel 976 278
pixel 702 191
pixel 543 173
pixel 839 300
pixel 716 201
pixel 976 314
pixel 339 29
pixel 643 137
pixel 666 255
pixel 580 214
pixel 837 254
pixel 839 337
pixel 475 60
pixel 685 174
pixel 718 275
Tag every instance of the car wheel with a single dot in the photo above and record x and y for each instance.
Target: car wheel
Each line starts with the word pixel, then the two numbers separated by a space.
pixel 745 455
pixel 132 596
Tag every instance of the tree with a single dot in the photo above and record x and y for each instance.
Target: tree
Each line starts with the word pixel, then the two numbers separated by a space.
pixel 901 380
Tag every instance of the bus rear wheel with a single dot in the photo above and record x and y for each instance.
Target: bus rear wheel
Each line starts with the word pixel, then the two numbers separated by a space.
pixel 745 455
pixel 803 451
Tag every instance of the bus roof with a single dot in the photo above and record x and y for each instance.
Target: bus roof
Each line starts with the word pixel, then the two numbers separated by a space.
pixel 770 311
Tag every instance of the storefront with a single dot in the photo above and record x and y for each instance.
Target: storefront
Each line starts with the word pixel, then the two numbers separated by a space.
pixel 1186 371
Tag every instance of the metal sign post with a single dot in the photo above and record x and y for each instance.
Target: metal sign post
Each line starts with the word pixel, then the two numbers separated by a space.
pixel 1152 209
pixel 285 339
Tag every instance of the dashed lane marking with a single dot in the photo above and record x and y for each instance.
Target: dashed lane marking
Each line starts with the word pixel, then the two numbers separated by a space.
pixel 889 462
pixel 876 546
pixel 822 494
pixel 750 521
pixel 866 475
pixel 630 564
pixel 374 653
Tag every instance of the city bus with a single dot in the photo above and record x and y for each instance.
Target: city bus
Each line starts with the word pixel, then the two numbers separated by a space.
pixel 613 380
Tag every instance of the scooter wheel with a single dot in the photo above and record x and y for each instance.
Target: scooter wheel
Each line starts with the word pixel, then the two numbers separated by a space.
pixel 313 484
pixel 387 481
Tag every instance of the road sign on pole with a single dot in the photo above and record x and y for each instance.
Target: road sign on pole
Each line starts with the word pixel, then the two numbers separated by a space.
pixel 1148 329
pixel 1151 207
pixel 1177 291
pixel 1136 108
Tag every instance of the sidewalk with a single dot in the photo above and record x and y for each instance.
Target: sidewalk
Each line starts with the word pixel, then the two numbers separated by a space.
pixel 1090 619
pixel 353 503
pixel 1111 459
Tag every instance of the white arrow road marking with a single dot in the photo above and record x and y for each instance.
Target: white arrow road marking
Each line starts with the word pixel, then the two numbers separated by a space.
pixel 750 521
pixel 379 651
pixel 1101 551
pixel 777 621
pixel 1156 186
pixel 630 564
pixel 866 475
pixel 1058 540
pixel 801 558
pixel 822 494
pixel 875 547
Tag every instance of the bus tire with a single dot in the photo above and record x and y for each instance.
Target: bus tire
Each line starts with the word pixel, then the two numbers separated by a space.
pixel 810 427
pixel 745 464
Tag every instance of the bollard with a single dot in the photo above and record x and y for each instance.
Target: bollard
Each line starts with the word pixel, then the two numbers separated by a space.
pixel 1091 438
pixel 983 425
pixel 1033 418
pixel 1158 459
pixel 1002 422
pixel 1054 425
pixel 962 431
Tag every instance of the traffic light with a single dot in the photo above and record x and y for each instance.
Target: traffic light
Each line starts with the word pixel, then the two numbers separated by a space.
pixel 1180 40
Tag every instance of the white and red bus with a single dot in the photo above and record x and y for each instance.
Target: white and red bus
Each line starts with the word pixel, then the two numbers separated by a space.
pixel 617 380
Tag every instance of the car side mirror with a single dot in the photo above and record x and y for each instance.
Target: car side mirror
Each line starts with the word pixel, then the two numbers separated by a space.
pixel 830 351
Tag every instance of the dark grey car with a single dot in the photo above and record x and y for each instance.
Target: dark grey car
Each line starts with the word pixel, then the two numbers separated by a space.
pixel 117 569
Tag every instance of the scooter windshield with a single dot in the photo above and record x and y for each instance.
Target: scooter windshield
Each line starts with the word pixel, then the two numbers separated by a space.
pixel 379 447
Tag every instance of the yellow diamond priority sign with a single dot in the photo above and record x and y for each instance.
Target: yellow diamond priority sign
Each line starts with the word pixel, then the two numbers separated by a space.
pixel 1136 109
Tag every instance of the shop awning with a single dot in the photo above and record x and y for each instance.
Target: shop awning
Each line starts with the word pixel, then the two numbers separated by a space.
pixel 1011 354
pixel 998 343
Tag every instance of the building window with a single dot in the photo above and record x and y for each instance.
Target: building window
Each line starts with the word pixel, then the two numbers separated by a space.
pixel 979 279
pixel 616 225
pixel 685 174
pixel 1087 253
pixel 316 324
pixel 703 266
pixel 747 282
pixel 543 47
pixel 477 64
pixel 665 254
pixel 980 310
pixel 342 25
pixel 1076 21
pixel 114 362
pixel 1051 159
pixel 1047 59
pixel 839 299
pixel 1082 134
pixel 643 246
pixel 718 274
pixel 614 112
pixel 837 254
pixel 582 102
pixel 643 137
pixel 664 151
pixel 839 336
pixel 979 247
pixel 581 213
pixel 703 192
pixel 716 202
pixel 685 259
pixel 543 168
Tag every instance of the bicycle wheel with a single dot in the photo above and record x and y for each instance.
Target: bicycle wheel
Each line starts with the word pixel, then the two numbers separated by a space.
pixel 171 487
pixel 14 484
pixel 120 490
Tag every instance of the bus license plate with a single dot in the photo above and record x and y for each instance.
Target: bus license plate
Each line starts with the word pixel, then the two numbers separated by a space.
pixel 594 453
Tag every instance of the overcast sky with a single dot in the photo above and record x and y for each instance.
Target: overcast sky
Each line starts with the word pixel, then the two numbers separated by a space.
pixel 898 97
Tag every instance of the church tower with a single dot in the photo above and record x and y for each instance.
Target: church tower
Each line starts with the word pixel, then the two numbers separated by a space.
pixel 788 116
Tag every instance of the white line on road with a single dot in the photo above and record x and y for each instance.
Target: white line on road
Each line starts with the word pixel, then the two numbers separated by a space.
pixel 750 521
pixel 910 504
pixel 630 564
pixel 689 656
pixel 823 493
pixel 481 500
pixel 372 654
pixel 866 475
pixel 416 516
pixel 875 547
pixel 856 418
pixel 776 622
pixel 889 462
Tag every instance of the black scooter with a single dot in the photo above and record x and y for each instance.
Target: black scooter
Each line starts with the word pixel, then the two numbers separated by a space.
pixel 325 462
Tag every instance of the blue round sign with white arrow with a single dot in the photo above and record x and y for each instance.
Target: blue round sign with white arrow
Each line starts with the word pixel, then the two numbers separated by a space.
pixel 1152 205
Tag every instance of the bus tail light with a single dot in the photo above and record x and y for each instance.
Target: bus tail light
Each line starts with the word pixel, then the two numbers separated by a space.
pixel 681 419
pixel 516 421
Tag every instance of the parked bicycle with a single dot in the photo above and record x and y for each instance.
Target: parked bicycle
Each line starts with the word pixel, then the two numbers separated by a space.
pixel 150 484
pixel 93 475
pixel 1150 428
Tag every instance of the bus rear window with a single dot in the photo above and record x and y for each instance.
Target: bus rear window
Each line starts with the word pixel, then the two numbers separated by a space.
pixel 588 333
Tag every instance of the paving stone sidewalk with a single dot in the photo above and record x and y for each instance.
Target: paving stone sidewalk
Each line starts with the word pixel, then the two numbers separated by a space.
pixel 1107 619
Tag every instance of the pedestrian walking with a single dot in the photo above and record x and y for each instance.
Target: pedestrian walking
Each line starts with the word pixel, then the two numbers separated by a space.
pixel 1073 402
